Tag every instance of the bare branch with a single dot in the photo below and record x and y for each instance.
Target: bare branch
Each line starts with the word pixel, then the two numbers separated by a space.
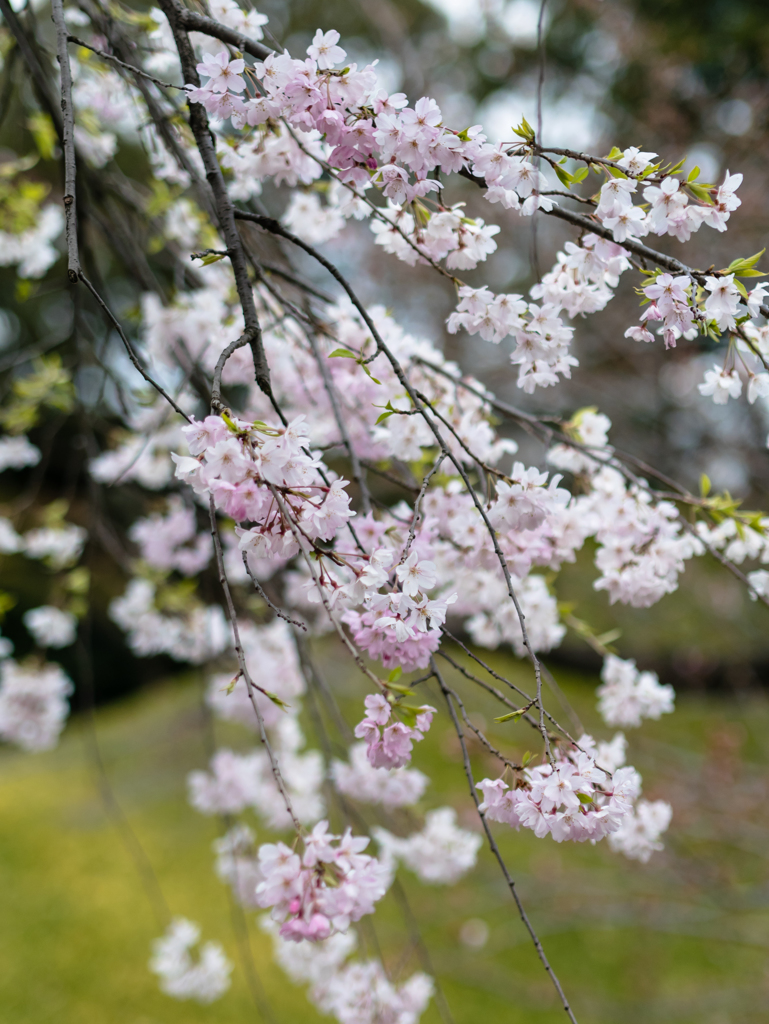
pixel 495 849
pixel 68 141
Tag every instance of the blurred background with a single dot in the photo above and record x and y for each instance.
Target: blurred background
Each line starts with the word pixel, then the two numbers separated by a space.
pixel 681 939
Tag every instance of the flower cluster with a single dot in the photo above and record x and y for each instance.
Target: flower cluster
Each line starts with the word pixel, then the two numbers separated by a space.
pixel 352 991
pixel 242 466
pixel 204 977
pixel 583 276
pixel 17 452
pixel 627 696
pixel 194 633
pixel 542 339
pixel 33 703
pixel 390 787
pixel 390 746
pixel 331 885
pixel 440 854
pixel 638 835
pixel 50 626
pixel 642 544
pixel 570 800
pixel 239 781
pixel 171 541
pixel 525 502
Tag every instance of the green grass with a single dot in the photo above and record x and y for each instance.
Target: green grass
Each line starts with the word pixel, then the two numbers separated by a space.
pixel 682 940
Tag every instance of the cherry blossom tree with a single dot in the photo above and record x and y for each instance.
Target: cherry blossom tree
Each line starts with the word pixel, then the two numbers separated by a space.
pixel 295 445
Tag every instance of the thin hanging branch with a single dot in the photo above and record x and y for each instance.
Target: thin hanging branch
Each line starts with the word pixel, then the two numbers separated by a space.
pixel 68 141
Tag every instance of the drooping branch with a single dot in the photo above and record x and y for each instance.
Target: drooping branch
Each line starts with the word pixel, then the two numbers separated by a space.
pixel 177 19
pixel 495 849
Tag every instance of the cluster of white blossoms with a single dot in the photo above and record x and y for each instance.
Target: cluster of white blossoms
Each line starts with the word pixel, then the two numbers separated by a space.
pixel 236 782
pixel 33 703
pixel 186 969
pixel 585 794
pixel 58 546
pixel 390 787
pixel 50 626
pixel 352 991
pixel 627 696
pixel 16 452
pixel 195 635
pixel 638 835
pixel 440 854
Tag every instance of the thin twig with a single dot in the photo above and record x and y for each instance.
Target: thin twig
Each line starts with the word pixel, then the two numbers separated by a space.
pixel 495 849
pixel 127 67
pixel 129 348
pixel 260 590
pixel 250 687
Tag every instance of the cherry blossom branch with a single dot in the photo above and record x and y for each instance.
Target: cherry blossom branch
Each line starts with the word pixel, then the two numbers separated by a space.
pixel 113 32
pixel 417 506
pixel 122 64
pixel 495 849
pixel 614 460
pixel 270 224
pixel 507 682
pixel 198 120
pixel 488 687
pixel 260 590
pixel 489 746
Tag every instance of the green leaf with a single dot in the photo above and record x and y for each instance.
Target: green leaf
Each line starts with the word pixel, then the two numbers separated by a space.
pixel 675 169
pixel 705 485
pixel 525 131
pixel 700 192
pixel 615 172
pixel 276 700
pixel 580 175
pixel 389 412
pixel 342 353
pixel 608 638
pixel 395 675
pixel 407 714
pixel 232 683
pixel 694 173
pixel 527 757
pixel 403 690
pixel 742 267
pixel 741 289
pixel 615 154
pixel 511 715
pixel 563 176
pixel 368 372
